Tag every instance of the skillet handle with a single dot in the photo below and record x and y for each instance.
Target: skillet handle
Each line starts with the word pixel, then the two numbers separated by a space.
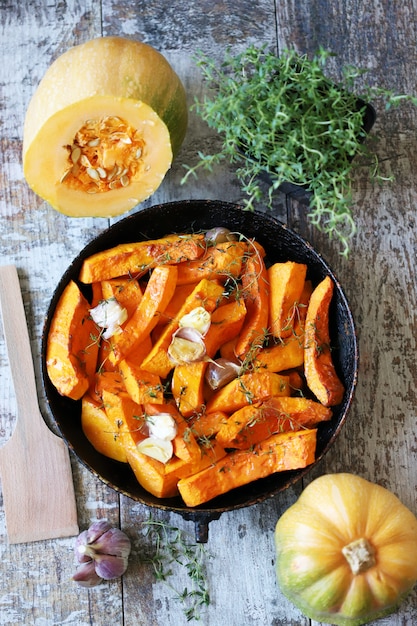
pixel 201 521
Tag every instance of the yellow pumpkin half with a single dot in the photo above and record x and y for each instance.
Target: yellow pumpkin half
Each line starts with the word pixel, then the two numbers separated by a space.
pixel 103 127
pixel 346 550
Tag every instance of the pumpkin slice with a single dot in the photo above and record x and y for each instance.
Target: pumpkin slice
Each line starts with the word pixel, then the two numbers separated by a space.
pixel 206 425
pixel 98 430
pixel 140 385
pixel 188 387
pixel 255 422
pixel 184 443
pixel 156 296
pixel 129 418
pixel 126 291
pixel 137 258
pixel 208 294
pixel 283 451
pixel 247 389
pixel 103 126
pixel 255 289
pixel 222 262
pixel 286 282
pixel 72 347
pixel 319 368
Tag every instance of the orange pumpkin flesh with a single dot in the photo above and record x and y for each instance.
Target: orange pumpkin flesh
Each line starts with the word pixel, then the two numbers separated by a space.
pixel 346 551
pixel 319 369
pixel 103 127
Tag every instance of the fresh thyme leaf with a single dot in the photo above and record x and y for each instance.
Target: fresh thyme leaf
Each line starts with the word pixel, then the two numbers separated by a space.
pixel 282 117
pixel 173 546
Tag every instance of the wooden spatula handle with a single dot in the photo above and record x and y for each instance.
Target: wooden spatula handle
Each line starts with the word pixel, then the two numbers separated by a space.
pixel 38 492
pixel 18 347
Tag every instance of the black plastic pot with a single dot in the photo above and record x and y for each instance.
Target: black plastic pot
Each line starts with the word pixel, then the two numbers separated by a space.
pixel 281 245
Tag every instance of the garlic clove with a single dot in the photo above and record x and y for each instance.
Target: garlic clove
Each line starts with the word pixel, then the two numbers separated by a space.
pixel 108 567
pixel 162 426
pixel 159 449
pixel 96 530
pixel 220 372
pixel 80 542
pixel 219 234
pixel 108 314
pixel 86 575
pixel 198 318
pixel 187 345
pixel 114 542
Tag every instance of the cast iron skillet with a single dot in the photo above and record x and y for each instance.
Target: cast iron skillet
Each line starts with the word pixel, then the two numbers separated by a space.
pixel 281 245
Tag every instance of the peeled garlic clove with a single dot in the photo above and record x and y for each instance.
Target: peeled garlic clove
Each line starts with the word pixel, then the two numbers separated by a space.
pixel 86 575
pixel 162 426
pixel 198 318
pixel 187 346
pixel 159 449
pixel 110 315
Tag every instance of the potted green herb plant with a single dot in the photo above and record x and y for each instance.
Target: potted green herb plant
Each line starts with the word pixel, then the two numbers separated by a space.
pixel 282 120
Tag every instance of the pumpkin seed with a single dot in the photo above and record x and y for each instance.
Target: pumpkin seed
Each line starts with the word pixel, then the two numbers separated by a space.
pixel 75 154
pixel 85 161
pixel 93 173
pixel 65 175
pixel 112 173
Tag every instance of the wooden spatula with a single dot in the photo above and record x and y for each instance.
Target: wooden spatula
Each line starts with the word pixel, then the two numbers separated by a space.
pixel 35 470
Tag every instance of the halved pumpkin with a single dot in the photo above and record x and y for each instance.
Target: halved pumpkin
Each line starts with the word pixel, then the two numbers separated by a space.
pixel 103 127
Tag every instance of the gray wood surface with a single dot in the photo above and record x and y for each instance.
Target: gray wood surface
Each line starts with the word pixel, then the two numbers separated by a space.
pixel 379 441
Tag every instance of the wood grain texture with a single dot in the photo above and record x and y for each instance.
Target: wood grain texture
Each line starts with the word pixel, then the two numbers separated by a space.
pixel 379 441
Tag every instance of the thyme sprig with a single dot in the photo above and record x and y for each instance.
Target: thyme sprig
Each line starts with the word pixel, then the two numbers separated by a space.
pixel 281 117
pixel 174 546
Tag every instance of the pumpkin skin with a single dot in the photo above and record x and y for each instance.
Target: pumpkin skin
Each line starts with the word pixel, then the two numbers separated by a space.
pixel 335 511
pixel 106 78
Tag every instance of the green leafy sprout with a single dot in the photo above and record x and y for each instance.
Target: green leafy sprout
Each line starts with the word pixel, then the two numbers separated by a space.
pixel 281 117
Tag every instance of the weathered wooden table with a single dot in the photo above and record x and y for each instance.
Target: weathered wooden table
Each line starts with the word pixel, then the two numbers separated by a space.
pixel 379 441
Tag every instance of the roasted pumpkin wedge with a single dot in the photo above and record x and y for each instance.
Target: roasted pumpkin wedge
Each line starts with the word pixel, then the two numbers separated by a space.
pixel 72 348
pixel 103 126
pixel 319 368
pixel 99 431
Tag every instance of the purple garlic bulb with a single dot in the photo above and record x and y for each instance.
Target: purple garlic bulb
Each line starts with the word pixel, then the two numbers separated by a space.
pixel 103 553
